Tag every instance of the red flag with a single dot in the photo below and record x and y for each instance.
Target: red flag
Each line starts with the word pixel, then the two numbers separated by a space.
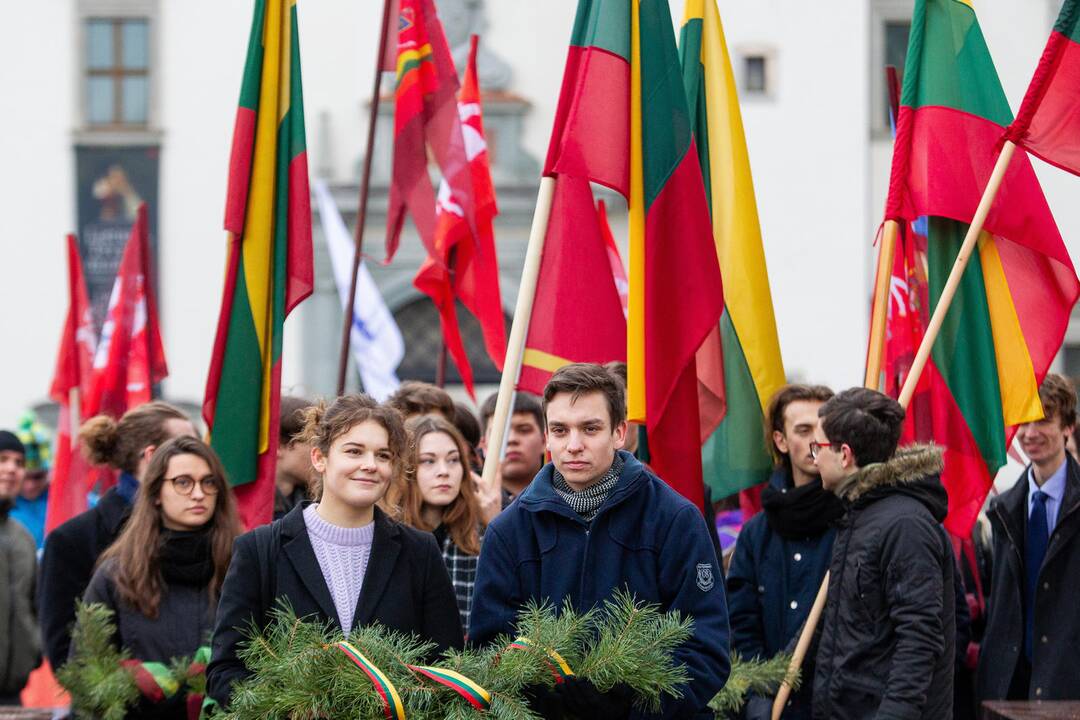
pixel 425 116
pixel 130 357
pixel 466 266
pixel 577 316
pixel 1048 124
pixel 74 365
pixel 389 58
pixel 618 270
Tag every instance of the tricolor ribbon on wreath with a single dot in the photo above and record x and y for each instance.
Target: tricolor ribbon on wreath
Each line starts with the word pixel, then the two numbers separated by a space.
pixel 470 690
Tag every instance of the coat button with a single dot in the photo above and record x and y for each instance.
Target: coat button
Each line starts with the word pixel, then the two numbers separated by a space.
pixel 1044 639
pixel 761 588
pixel 798 557
pixel 1038 691
pixel 794 605
pixel 1046 586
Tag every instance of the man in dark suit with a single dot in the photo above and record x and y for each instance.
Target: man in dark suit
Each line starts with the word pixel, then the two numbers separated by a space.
pixel 1030 649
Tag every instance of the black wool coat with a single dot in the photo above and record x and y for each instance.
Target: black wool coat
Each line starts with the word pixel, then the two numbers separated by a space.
pixel 67 564
pixel 406 588
pixel 183 624
pixel 888 642
pixel 1055 657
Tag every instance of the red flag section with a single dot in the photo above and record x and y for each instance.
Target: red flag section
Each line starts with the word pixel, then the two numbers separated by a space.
pixel 466 265
pixel 618 270
pixel 577 315
pixel 425 117
pixel 130 357
pixel 1048 123
pixel 74 365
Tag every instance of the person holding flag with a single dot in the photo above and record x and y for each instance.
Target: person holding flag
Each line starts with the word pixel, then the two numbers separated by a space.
pixel 782 554
pixel 888 639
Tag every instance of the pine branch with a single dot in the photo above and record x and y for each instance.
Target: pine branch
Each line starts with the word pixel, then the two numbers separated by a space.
pixel 761 677
pixel 99 685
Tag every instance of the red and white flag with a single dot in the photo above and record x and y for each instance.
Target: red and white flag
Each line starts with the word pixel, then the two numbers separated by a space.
pixel 466 266
pixel 130 358
pixel 74 362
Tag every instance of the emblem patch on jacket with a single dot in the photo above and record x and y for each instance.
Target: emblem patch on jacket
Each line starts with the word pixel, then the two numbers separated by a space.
pixel 705 580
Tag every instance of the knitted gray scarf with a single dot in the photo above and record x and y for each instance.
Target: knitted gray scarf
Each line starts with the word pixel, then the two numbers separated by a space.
pixel 587 502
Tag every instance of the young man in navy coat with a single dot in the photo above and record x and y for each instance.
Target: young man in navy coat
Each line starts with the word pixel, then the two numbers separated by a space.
pixel 593 521
pixel 783 553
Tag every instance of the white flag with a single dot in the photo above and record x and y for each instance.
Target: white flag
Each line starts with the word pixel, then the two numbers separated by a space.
pixel 376 342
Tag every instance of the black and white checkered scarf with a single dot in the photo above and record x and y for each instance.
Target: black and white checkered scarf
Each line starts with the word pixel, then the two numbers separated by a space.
pixel 587 502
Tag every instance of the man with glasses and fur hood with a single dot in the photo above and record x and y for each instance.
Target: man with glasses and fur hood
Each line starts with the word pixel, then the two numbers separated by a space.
pixel 887 645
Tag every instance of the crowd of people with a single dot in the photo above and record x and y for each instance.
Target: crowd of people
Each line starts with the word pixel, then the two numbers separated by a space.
pixel 381 516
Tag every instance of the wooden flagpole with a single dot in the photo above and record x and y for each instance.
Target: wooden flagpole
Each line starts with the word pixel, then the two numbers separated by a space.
pixel 882 286
pixel 519 330
pixel 361 214
pixel 883 281
pixel 951 285
pixel 912 380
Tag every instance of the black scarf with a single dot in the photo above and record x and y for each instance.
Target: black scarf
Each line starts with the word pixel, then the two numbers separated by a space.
pixel 186 557
pixel 801 512
pixel 6 504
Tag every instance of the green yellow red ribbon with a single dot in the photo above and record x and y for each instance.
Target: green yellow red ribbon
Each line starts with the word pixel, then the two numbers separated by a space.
pixel 559 667
pixel 393 708
pixel 467 688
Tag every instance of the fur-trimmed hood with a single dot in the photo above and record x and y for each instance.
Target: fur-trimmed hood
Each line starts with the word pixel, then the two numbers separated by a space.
pixel 913 470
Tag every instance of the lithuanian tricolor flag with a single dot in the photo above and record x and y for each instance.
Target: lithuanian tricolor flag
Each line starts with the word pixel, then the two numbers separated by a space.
pixel 1047 124
pixel 269 267
pixel 623 121
pixel 734 453
pixel 1010 313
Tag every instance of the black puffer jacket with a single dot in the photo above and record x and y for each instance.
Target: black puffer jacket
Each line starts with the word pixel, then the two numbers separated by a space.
pixel 888 639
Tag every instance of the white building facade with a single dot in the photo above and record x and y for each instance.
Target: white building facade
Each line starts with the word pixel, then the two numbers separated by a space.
pixel 152 86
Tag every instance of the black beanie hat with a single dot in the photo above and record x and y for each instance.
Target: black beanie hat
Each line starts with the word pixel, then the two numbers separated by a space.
pixel 10 442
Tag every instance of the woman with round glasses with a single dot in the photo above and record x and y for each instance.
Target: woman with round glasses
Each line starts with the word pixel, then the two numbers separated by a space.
pixel 163 575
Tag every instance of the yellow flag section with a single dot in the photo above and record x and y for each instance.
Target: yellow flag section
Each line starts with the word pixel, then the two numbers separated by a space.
pixel 734 455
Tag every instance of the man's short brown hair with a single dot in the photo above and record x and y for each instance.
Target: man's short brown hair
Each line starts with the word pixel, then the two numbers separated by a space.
pixel 582 378
pixel 524 402
pixel 291 422
pixel 778 404
pixel 421 398
pixel 1058 398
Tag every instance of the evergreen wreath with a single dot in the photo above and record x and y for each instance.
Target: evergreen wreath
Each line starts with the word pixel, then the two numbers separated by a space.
pixel 303 670
pixel 104 680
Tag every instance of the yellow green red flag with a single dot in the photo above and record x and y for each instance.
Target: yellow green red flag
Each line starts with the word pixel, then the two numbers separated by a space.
pixel 734 454
pixel 269 267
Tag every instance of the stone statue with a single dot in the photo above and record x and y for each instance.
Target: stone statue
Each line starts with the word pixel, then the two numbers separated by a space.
pixel 460 19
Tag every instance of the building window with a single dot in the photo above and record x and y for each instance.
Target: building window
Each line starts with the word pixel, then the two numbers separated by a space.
pixel 754 75
pixel 117 72
pixel 422 332
pixel 890 25
pixel 896 44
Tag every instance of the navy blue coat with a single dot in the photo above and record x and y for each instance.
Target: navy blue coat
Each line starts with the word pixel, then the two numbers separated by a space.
pixel 771 585
pixel 645 537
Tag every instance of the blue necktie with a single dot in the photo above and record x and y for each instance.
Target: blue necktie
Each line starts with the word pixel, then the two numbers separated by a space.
pixel 1038 537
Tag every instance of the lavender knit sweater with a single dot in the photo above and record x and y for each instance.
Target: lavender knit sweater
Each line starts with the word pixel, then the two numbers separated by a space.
pixel 343 557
